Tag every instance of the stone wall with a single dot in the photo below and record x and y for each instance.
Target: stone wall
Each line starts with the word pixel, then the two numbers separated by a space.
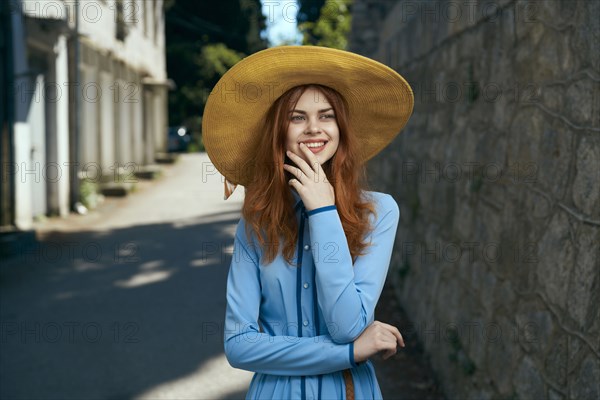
pixel 498 178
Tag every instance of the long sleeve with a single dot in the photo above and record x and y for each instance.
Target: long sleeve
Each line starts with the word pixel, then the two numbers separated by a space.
pixel 348 295
pixel 248 348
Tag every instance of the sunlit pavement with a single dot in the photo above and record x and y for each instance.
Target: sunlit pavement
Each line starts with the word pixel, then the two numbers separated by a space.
pixel 127 301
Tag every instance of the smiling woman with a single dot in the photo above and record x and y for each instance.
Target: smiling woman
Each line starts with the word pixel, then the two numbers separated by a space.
pixel 313 247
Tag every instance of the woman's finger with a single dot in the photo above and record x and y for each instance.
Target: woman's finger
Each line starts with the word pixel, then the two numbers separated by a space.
pixel 294 183
pixel 295 171
pixel 312 157
pixel 301 164
pixel 398 335
pixel 389 337
pixel 395 332
pixel 315 165
pixel 388 353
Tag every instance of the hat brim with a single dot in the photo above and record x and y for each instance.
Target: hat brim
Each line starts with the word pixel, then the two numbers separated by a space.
pixel 380 101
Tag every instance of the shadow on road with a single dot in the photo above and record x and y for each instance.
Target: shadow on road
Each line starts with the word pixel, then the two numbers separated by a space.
pixel 116 313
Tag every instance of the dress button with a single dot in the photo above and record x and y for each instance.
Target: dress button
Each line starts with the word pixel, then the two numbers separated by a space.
pixel 307 247
pixel 305 285
pixel 305 323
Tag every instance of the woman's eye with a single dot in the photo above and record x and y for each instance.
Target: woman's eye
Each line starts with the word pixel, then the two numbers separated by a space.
pixel 328 116
pixel 297 117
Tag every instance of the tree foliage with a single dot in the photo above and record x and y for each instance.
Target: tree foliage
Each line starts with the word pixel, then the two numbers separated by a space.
pixel 203 40
pixel 331 28
pixel 309 10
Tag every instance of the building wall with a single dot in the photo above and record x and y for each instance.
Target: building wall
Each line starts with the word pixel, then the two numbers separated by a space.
pixel 498 178
pixel 142 44
pixel 125 63
pixel 119 94
pixel 40 172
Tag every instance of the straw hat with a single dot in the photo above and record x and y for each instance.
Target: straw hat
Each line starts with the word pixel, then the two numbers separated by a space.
pixel 380 102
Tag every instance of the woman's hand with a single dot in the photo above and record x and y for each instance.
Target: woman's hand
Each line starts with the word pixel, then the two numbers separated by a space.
pixel 378 337
pixel 310 180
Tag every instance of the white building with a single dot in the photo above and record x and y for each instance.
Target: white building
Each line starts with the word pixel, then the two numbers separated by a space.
pixel 90 95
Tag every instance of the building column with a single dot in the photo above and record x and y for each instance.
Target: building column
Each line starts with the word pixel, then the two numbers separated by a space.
pixel 21 133
pixel 57 173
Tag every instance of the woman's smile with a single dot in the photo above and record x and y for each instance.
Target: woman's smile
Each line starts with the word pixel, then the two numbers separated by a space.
pixel 316 147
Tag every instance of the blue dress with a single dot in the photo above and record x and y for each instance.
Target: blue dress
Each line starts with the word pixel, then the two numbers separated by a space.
pixel 295 327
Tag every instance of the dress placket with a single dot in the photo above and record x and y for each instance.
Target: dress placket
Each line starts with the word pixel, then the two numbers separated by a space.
pixel 304 282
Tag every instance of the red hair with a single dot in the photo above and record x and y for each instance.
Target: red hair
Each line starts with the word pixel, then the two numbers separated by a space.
pixel 268 205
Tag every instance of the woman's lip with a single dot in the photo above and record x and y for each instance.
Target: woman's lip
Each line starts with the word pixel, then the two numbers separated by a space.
pixel 317 149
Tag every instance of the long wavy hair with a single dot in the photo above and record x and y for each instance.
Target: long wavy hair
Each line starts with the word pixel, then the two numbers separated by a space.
pixel 268 205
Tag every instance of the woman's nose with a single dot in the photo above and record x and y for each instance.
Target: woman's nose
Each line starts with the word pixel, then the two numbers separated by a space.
pixel 313 126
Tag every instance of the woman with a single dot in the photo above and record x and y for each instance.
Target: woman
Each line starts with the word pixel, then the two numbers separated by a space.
pixel 295 125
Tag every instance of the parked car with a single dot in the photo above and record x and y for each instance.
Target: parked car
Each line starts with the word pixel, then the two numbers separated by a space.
pixel 179 139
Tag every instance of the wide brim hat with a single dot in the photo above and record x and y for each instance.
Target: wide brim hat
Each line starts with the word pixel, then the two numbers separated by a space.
pixel 380 102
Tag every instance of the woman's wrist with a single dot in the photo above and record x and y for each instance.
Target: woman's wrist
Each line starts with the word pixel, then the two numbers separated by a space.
pixel 352 352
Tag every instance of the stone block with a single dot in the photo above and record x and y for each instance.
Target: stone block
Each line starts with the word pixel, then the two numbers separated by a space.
pixel 488 229
pixel 503 354
pixel 580 108
pixel 554 395
pixel 552 96
pixel 586 187
pixel 465 269
pixel 555 365
pixel 166 158
pixel 553 59
pixel 555 13
pixel 535 328
pixel 463 224
pixel 539 209
pixel 523 138
pixel 577 350
pixel 586 383
pixel 504 296
pixel 584 295
pixel 556 255
pixel 585 35
pixel 116 189
pixel 528 382
pixel 486 297
pixel 555 152
pixel 148 172
pixel 473 338
pixel 528 35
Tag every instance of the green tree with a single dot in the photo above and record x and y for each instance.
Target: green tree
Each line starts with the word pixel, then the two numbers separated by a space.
pixel 203 40
pixel 332 27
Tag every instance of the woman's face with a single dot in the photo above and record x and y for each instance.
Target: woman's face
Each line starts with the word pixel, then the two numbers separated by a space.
pixel 313 122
